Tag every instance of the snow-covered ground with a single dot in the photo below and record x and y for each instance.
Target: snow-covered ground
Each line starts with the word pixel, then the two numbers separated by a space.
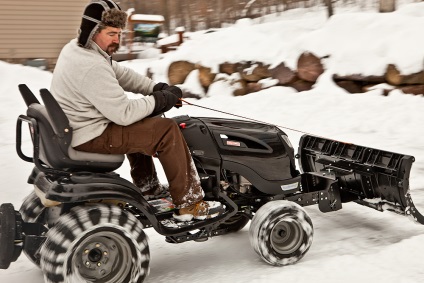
pixel 355 244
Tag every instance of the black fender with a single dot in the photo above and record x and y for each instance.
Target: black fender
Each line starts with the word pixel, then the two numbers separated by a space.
pixel 85 187
pixel 272 187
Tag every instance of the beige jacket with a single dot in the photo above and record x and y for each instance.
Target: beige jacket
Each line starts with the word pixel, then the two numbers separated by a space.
pixel 90 88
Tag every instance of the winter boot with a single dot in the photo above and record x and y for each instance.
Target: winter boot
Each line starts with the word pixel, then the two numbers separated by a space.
pixel 156 192
pixel 199 211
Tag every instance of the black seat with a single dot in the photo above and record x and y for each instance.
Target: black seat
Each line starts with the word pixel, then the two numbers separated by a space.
pixel 55 136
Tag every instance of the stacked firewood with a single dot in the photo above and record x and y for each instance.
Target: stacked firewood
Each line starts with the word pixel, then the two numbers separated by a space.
pixel 250 76
pixel 408 83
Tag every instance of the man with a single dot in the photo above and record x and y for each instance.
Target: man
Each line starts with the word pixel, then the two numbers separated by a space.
pixel 90 87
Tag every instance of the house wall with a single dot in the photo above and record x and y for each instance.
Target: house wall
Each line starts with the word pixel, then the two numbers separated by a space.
pixel 37 29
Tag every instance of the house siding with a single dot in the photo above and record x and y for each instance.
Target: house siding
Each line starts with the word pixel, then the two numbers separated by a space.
pixel 37 29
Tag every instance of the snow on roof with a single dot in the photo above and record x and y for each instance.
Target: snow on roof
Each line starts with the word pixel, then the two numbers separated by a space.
pixel 146 17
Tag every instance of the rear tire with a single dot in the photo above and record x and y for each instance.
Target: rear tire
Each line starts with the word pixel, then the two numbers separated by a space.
pixel 7 234
pixel 281 232
pixel 31 211
pixel 96 243
pixel 31 208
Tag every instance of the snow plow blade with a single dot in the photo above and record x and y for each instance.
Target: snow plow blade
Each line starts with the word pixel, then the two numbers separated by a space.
pixel 375 178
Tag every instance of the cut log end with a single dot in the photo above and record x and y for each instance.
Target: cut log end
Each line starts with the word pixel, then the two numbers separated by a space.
pixel 178 71
pixel 309 67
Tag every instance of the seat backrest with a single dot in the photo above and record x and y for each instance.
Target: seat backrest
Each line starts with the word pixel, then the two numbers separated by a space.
pixel 27 95
pixel 56 135
pixel 58 121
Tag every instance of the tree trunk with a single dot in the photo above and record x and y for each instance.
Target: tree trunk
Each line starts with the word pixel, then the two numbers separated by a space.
pixel 204 18
pixel 387 6
pixel 219 11
pixel 247 7
pixel 185 14
pixel 179 14
pixel 165 13
pixel 330 10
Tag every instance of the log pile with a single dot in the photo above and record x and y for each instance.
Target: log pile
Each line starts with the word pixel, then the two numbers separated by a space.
pixel 408 84
pixel 250 76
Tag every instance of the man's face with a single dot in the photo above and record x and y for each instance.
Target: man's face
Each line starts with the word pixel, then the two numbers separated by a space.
pixel 108 39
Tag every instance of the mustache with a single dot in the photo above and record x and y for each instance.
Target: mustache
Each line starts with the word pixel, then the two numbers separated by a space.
pixel 113 47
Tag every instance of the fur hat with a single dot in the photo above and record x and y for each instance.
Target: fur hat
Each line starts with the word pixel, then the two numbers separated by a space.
pixel 100 13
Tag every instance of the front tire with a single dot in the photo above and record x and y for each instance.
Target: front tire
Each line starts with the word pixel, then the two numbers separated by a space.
pixel 281 232
pixel 96 243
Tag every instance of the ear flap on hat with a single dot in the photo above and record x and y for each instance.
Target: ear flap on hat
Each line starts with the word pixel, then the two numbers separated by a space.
pixel 87 27
pixel 91 19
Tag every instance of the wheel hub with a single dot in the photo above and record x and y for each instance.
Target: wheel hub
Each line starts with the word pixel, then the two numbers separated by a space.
pixel 95 255
pixel 102 258
pixel 282 233
pixel 286 237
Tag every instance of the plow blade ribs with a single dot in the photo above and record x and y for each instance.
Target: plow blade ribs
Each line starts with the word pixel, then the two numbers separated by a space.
pixel 372 177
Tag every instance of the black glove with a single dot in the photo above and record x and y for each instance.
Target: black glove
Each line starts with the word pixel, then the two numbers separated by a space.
pixel 178 93
pixel 160 86
pixel 164 100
